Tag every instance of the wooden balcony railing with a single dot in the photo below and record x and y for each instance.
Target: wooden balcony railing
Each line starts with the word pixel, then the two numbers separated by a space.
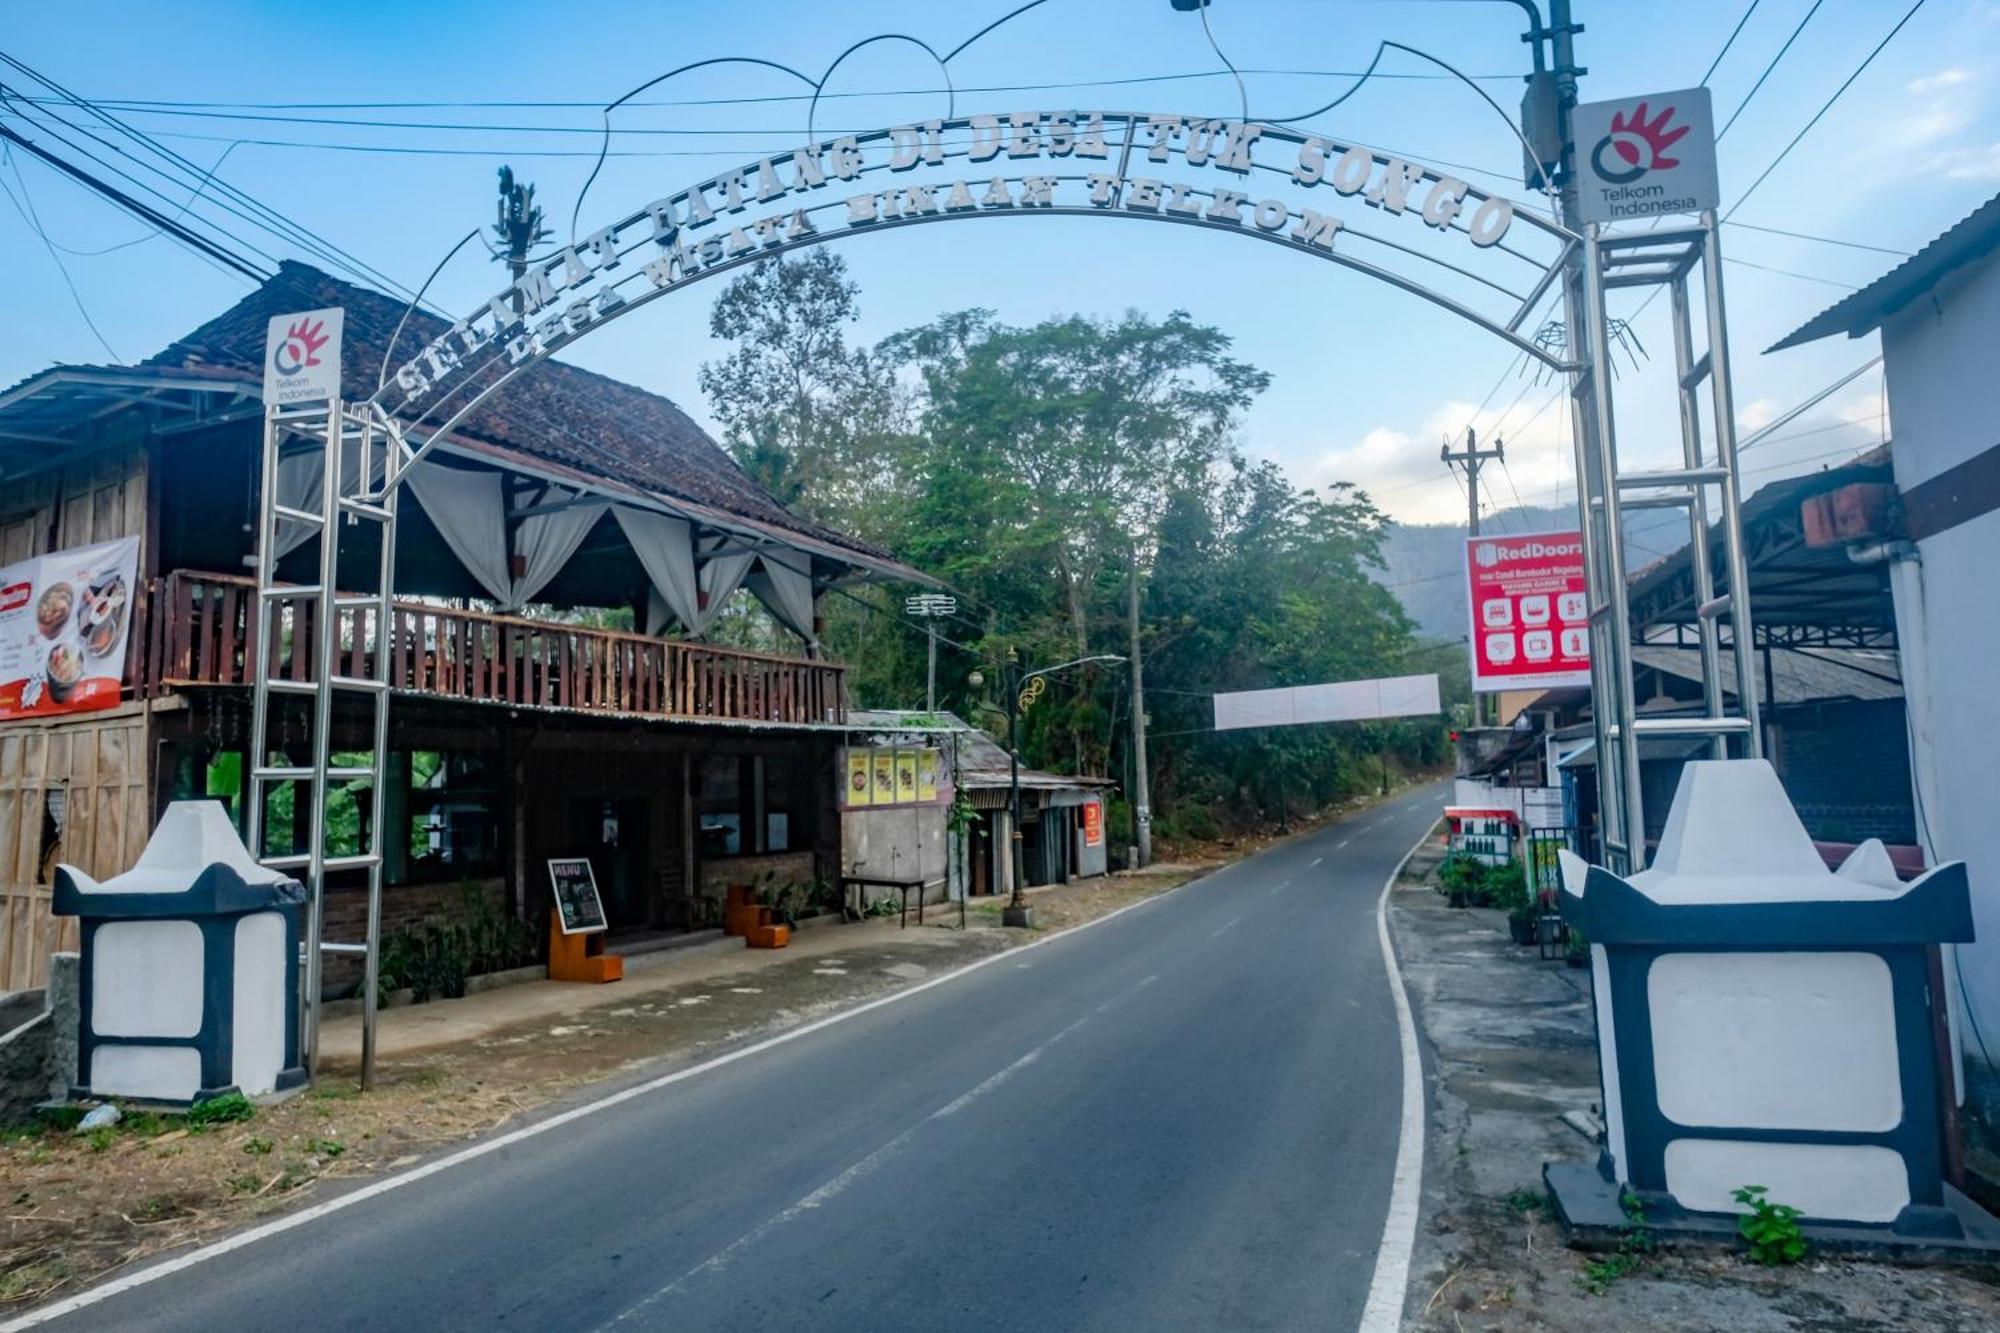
pixel 197 629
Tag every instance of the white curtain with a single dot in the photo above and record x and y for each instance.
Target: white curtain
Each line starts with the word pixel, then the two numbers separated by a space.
pixel 545 542
pixel 466 507
pixel 782 581
pixel 469 511
pixel 665 547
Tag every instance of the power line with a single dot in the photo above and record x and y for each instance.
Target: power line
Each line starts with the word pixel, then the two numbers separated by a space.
pixel 1733 33
pixel 1848 82
pixel 266 217
pixel 34 221
pixel 1768 68
pixel 163 104
pixel 1824 240
pixel 1790 273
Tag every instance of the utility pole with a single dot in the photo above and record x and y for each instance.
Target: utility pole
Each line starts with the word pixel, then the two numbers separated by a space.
pixel 1142 809
pixel 1471 458
pixel 929 606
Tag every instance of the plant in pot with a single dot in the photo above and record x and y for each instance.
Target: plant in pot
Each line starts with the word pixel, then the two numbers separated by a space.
pixel 1508 885
pixel 1463 878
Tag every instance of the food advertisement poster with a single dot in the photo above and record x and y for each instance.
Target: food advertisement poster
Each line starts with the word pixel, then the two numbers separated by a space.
pixel 906 776
pixel 857 778
pixel 885 777
pixel 927 775
pixel 893 775
pixel 64 619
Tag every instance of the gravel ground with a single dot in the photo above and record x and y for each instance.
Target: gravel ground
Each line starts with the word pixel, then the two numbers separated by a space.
pixel 1510 1043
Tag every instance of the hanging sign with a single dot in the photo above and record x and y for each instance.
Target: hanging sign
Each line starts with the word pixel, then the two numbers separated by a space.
pixel 302 357
pixel 1639 157
pixel 63 624
pixel 578 908
pixel 1530 618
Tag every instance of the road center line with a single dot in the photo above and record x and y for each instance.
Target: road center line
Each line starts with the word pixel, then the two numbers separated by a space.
pixel 1318 859
pixel 833 1188
pixel 1225 926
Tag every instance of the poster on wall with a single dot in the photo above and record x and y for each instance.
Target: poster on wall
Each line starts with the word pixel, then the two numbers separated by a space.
pixel 1530 618
pixel 884 789
pixel 927 775
pixel 906 776
pixel 1093 823
pixel 857 777
pixel 64 619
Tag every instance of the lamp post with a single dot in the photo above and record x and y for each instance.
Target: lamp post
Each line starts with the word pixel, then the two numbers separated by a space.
pixel 1017 912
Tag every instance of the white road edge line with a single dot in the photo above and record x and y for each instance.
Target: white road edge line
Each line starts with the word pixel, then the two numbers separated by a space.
pixel 166 1268
pixel 1387 1290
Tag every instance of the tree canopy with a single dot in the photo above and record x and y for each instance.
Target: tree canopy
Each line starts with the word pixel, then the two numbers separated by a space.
pixel 1037 471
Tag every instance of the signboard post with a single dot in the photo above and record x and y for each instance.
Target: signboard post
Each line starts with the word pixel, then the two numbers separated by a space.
pixel 1530 616
pixel 302 357
pixel 576 927
pixel 1640 157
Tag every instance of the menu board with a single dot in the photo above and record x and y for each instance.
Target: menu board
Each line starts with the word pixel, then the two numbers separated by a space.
pixel 578 908
pixel 64 619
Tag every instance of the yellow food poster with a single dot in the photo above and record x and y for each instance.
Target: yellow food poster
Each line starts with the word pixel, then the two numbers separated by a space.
pixel 857 777
pixel 906 775
pixel 885 777
pixel 927 775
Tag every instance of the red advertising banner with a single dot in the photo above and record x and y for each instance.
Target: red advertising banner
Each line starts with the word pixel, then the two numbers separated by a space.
pixel 1093 823
pixel 63 624
pixel 1530 618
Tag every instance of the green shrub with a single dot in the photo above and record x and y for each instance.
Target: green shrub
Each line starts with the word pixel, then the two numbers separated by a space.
pixel 223 1110
pixel 1506 887
pixel 1771 1228
pixel 1463 878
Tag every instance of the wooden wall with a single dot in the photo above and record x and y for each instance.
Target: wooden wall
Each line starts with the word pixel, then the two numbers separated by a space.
pixel 97 760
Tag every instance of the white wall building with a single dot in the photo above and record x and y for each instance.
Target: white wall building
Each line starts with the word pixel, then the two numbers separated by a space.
pixel 1938 314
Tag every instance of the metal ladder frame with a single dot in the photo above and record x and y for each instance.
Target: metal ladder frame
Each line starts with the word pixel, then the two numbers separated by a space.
pixel 1662 257
pixel 343 431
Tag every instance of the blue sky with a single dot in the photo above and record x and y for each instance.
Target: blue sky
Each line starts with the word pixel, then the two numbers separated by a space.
pixel 1366 379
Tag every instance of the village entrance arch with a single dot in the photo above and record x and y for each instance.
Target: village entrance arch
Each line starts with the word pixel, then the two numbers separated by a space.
pixel 1485 258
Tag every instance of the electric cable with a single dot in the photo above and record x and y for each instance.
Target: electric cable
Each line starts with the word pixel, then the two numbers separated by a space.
pixel 1733 34
pixel 1758 85
pixel 34 221
pixel 1825 107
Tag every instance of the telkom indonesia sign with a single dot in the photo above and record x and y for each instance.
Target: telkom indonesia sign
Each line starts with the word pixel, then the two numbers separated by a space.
pixel 1530 617
pixel 1640 157
pixel 302 357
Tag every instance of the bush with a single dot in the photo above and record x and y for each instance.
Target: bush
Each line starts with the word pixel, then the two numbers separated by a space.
pixel 1506 887
pixel 1463 878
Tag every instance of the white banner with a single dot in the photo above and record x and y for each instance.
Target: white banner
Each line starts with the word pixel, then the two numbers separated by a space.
pixel 1338 701
pixel 63 624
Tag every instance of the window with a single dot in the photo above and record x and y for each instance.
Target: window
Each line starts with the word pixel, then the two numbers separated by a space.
pixel 719 805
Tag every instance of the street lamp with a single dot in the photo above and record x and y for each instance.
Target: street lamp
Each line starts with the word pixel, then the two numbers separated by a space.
pixel 1017 912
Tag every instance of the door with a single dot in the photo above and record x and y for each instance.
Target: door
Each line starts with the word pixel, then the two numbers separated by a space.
pixel 612 833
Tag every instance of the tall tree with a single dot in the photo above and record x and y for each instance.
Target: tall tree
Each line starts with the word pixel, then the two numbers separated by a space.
pixel 804 413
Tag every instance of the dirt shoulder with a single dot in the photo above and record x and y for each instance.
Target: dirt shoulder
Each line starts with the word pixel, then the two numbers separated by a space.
pixel 1512 1047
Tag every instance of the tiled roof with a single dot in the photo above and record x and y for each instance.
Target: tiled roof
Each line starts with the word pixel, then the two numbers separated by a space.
pixel 556 412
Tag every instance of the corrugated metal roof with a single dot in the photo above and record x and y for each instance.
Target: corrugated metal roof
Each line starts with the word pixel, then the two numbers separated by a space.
pixel 982 761
pixel 1972 239
pixel 1798 675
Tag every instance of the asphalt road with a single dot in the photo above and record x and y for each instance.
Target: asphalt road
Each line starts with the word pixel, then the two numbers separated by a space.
pixel 1185 1117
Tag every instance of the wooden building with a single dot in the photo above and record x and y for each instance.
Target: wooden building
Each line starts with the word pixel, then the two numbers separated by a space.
pixel 525 726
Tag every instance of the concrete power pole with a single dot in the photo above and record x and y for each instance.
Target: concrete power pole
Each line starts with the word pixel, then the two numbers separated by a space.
pixel 928 606
pixel 1470 458
pixel 1142 810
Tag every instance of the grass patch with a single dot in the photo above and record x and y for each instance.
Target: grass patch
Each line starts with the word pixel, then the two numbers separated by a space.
pixel 1528 1202
pixel 227 1109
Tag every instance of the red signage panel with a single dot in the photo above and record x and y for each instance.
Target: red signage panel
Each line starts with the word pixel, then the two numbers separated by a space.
pixel 1530 618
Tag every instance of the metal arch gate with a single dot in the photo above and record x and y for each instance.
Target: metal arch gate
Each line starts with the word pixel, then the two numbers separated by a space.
pixel 1482 257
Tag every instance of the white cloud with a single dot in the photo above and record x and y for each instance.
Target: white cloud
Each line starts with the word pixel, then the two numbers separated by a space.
pixel 1755 416
pixel 1933 83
